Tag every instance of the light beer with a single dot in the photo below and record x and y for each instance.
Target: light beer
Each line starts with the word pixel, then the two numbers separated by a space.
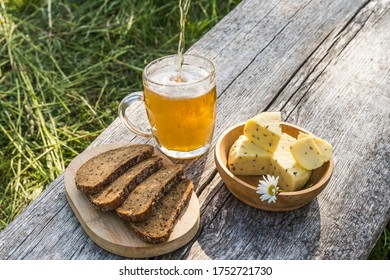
pixel 181 114
pixel 180 100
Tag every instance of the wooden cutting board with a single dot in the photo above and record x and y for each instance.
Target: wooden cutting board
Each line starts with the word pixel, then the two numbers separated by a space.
pixel 111 233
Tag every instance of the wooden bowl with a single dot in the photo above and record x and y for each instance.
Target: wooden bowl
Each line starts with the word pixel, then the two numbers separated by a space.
pixel 244 187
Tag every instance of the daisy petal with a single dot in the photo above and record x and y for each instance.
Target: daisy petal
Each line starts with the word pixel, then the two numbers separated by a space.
pixel 268 188
pixel 265 197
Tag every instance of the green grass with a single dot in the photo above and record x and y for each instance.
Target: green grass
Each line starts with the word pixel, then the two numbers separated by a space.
pixel 60 86
pixel 381 250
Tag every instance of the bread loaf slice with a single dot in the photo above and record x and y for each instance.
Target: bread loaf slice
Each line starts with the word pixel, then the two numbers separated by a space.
pixel 102 169
pixel 141 200
pixel 161 222
pixel 116 193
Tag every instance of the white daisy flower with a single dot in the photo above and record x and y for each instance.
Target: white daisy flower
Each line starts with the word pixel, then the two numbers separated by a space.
pixel 268 188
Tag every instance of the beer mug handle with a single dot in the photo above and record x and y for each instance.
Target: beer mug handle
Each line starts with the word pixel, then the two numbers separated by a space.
pixel 126 102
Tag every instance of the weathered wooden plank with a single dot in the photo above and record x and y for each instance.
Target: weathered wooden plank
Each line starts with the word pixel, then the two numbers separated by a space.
pixel 356 209
pixel 266 63
pixel 271 51
pixel 259 53
pixel 347 218
pixel 49 231
pixel 356 24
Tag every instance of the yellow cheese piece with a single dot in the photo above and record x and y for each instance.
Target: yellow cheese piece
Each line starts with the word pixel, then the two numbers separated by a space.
pixel 245 158
pixel 264 130
pixel 306 153
pixel 325 148
pixel 292 177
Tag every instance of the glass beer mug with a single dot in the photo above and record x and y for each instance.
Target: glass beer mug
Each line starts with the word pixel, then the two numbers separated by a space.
pixel 181 113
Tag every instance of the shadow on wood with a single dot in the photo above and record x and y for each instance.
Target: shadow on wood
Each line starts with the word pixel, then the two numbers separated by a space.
pixel 238 228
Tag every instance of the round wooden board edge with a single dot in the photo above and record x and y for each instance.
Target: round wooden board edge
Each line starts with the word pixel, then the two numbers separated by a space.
pixel 149 250
pixel 140 252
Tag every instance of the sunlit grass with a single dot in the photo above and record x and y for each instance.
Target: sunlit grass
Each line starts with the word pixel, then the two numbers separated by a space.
pixel 381 250
pixel 60 87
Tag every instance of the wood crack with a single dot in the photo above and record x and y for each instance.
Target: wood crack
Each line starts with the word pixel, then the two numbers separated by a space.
pixel 43 229
pixel 20 245
pixel 382 14
pixel 228 197
pixel 316 59
pixel 360 27
pixel 294 74
pixel 253 59
pixel 322 58
pixel 265 16
pixel 204 185
pixel 352 18
pixel 308 88
pixel 77 252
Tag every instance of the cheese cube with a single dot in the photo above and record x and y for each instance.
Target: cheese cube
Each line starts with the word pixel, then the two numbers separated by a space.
pixel 264 130
pixel 245 158
pixel 306 153
pixel 325 148
pixel 292 177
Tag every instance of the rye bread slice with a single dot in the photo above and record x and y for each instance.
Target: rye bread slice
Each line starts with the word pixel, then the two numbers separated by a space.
pixel 141 200
pixel 116 193
pixel 162 220
pixel 102 169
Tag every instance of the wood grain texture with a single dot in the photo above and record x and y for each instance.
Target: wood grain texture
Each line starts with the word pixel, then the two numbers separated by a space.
pixel 244 187
pixel 325 66
pixel 112 233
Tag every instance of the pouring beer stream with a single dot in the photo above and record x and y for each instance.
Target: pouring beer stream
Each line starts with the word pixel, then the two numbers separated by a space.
pixel 184 6
pixel 180 100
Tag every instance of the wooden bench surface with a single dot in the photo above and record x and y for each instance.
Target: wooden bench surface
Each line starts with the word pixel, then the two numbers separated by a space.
pixel 326 66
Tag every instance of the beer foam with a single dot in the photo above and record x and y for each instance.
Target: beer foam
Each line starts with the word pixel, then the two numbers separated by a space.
pixel 167 76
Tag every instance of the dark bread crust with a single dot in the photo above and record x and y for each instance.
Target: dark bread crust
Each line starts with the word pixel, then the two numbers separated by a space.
pixel 95 174
pixel 139 204
pixel 163 218
pixel 116 193
pixel 141 190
